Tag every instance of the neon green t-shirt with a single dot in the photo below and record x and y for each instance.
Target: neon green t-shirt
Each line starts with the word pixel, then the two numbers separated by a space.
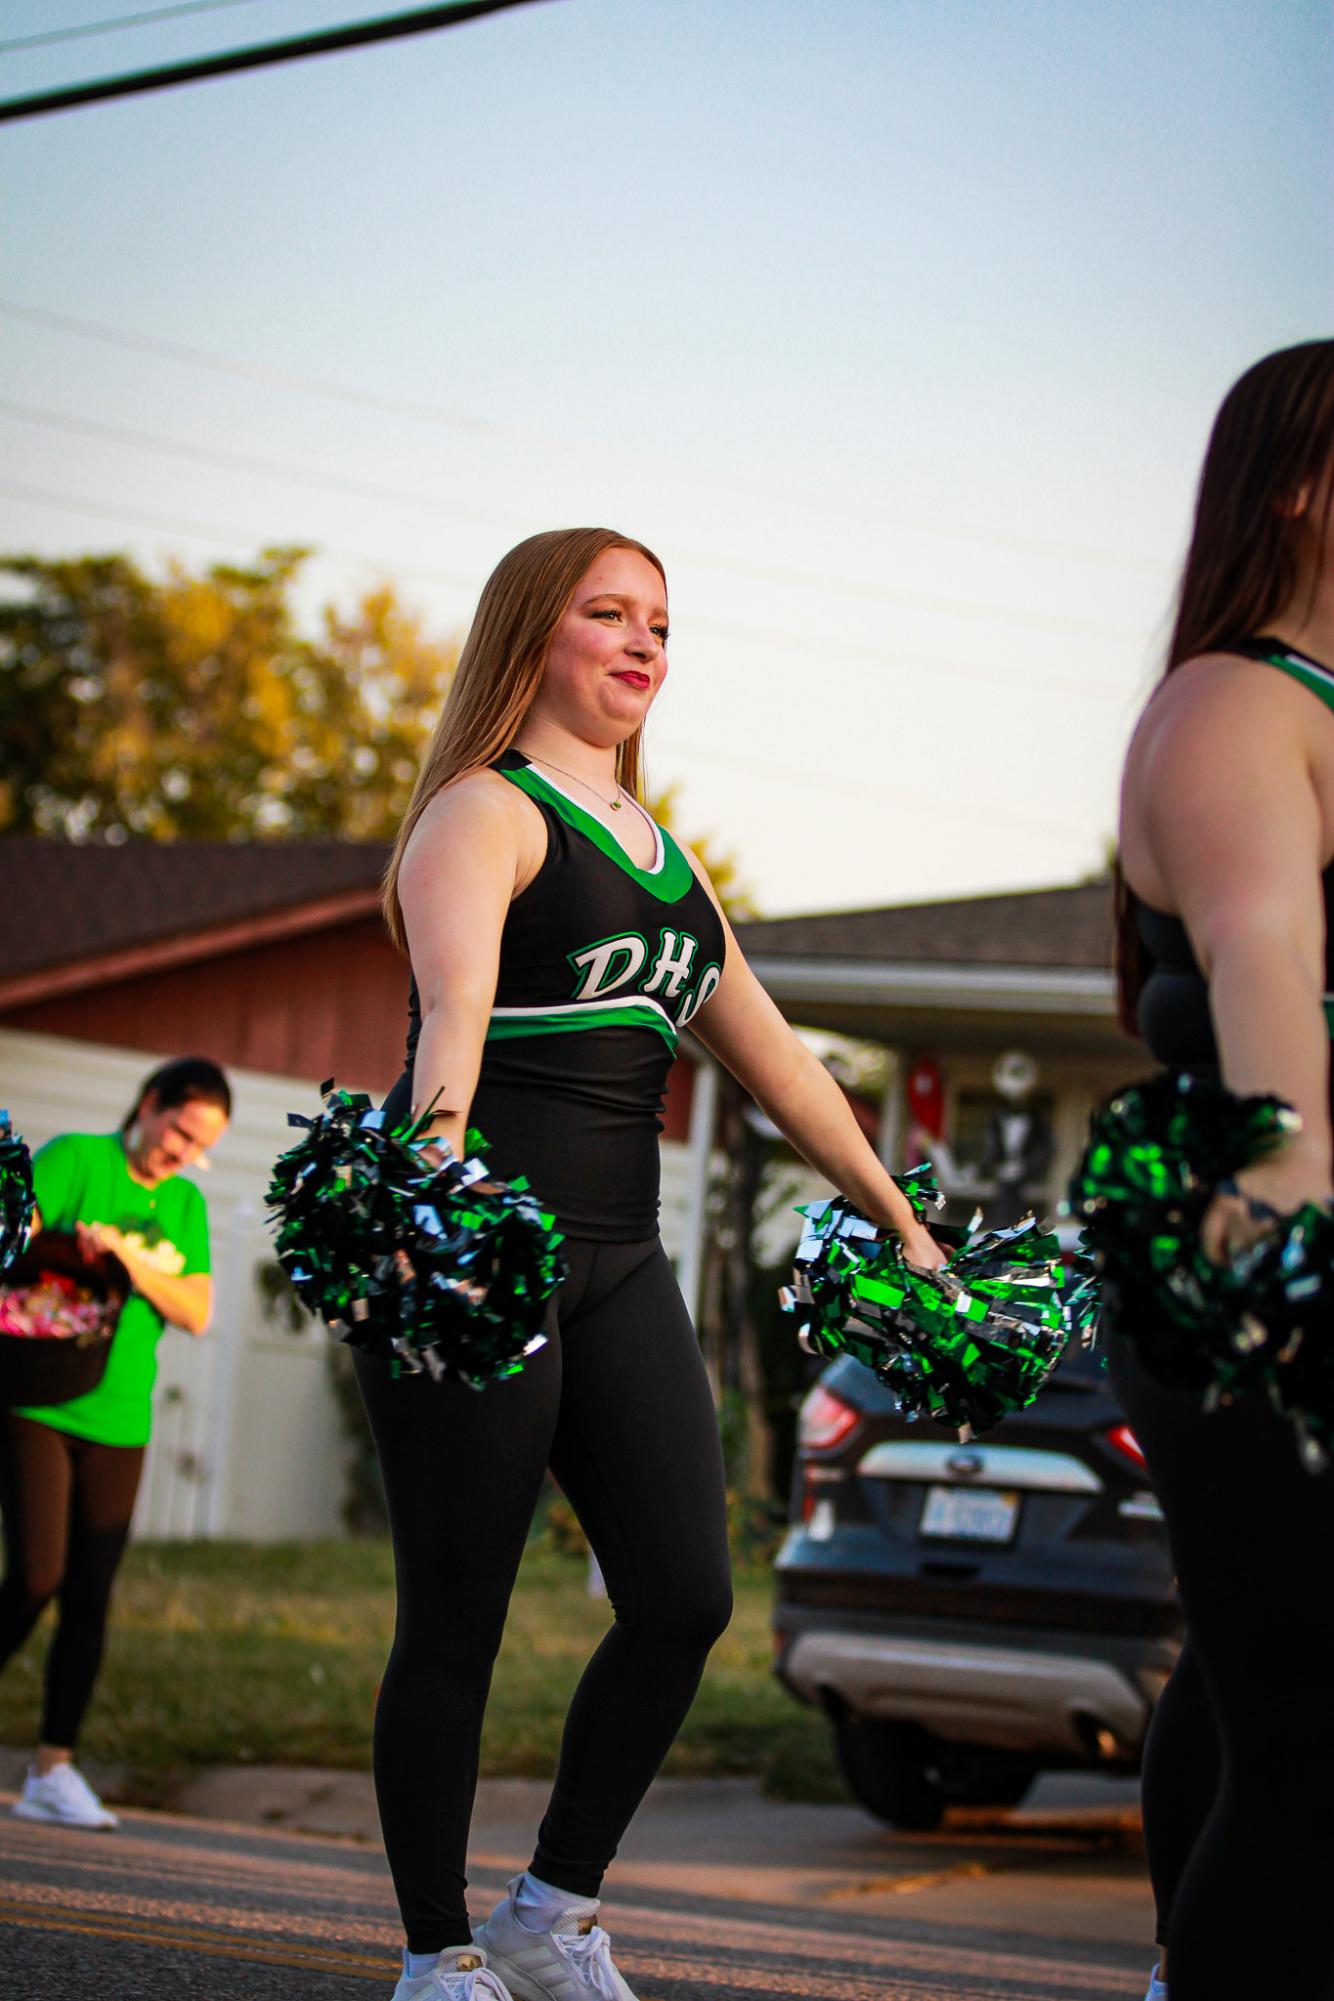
pixel 83 1178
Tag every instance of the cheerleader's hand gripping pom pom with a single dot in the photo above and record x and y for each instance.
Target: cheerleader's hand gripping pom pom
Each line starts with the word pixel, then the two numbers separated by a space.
pixel 16 1196
pixel 438 1268
pixel 1158 1154
pixel 965 1345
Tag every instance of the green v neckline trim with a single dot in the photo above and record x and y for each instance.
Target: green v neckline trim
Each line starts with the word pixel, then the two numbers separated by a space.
pixel 668 883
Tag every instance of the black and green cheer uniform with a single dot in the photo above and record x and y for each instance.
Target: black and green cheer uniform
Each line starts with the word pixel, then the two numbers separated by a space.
pixel 602 964
pixel 1173 1011
pixel 1238 1762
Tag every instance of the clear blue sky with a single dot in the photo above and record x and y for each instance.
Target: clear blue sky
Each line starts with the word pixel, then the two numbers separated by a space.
pixel 896 327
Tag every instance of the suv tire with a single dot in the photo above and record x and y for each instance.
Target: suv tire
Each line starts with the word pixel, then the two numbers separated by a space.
pixel 892 1770
pixel 988 1782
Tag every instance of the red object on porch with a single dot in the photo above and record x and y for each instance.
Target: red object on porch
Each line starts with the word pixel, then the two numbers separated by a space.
pixel 926 1095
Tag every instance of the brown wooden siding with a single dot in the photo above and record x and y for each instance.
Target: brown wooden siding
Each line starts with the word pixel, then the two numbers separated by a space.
pixel 329 1003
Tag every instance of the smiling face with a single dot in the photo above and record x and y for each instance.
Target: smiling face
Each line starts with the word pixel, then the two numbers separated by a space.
pixel 163 1139
pixel 607 658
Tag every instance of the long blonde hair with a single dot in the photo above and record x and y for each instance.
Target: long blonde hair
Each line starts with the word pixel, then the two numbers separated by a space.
pixel 522 602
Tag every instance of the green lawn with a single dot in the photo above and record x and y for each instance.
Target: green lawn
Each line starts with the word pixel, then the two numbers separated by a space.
pixel 230 1652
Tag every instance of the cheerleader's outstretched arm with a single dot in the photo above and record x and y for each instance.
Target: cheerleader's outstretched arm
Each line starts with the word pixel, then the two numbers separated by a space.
pixel 744 1029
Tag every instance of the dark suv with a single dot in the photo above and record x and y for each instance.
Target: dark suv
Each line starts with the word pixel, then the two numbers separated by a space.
pixel 970 1615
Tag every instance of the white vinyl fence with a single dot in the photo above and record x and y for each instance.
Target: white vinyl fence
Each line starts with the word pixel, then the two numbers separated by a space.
pixel 247 1438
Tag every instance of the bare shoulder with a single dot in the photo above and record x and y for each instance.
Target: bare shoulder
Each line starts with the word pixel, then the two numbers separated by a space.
pixel 479 808
pixel 1219 706
pixel 1220 730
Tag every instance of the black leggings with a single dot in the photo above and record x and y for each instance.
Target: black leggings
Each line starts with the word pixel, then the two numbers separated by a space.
pixel 67 1505
pixel 618 1406
pixel 1239 1767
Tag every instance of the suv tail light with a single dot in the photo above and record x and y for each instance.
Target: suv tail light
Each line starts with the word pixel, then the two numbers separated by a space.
pixel 1126 1443
pixel 825 1421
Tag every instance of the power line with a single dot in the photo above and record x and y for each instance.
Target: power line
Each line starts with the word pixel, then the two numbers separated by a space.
pixel 431 413
pixel 813 647
pixel 836 650
pixel 52 35
pixel 326 41
pixel 211 532
pixel 140 440
pixel 177 448
pixel 805 774
pixel 246 371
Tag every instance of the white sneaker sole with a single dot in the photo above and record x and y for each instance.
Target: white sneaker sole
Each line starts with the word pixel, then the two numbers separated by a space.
pixel 23 1810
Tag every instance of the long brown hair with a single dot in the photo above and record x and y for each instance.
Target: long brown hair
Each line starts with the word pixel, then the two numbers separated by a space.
pixel 522 602
pixel 1272 437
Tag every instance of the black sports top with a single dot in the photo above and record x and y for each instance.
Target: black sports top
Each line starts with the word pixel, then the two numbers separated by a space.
pixel 602 964
pixel 1173 1011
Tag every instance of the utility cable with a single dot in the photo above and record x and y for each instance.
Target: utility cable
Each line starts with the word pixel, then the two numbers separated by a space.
pixel 53 35
pixel 735 631
pixel 216 455
pixel 322 42
pixel 431 413
pixel 211 531
pixel 829 586
pixel 246 371
pixel 807 774
pixel 350 559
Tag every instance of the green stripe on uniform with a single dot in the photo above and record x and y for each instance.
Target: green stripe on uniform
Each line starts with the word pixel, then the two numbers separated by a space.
pixel 1309 673
pixel 668 884
pixel 508 1027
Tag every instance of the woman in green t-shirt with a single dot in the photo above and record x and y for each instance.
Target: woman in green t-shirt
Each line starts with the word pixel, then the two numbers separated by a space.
pixel 69 1472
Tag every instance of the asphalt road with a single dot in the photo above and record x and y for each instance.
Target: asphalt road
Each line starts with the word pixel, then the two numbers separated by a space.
pixel 719 1896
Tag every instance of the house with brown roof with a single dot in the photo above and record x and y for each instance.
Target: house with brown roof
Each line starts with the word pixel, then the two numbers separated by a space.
pixel 273 960
pixel 949 988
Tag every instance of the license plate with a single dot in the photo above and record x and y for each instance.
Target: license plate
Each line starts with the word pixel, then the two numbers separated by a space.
pixel 970 1514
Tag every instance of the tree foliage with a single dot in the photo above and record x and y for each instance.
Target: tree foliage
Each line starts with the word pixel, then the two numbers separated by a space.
pixel 194 706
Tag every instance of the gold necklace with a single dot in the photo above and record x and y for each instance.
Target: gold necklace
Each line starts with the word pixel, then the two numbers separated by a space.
pixel 613 805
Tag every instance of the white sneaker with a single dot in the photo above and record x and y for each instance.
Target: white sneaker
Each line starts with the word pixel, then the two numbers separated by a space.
pixel 459 1976
pixel 1157 1988
pixel 64 1797
pixel 571 1963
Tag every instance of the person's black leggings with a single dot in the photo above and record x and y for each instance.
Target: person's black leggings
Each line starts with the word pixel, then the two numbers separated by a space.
pixel 1239 1768
pixel 618 1405
pixel 67 1505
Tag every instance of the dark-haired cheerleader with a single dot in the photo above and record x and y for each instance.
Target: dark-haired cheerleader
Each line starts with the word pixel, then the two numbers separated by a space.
pixel 560 942
pixel 1227 964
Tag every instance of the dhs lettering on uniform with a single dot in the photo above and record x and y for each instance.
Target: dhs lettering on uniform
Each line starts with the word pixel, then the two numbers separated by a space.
pixel 626 962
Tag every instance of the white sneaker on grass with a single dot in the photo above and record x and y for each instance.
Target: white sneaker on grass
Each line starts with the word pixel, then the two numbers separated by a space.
pixel 62 1797
pixel 461 1975
pixel 570 1963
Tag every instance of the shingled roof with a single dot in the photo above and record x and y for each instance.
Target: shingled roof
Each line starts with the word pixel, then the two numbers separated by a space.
pixel 64 903
pixel 1068 927
pixel 68 906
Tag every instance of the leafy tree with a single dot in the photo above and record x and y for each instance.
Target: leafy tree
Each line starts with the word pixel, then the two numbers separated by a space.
pixel 194 707
pixel 724 870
